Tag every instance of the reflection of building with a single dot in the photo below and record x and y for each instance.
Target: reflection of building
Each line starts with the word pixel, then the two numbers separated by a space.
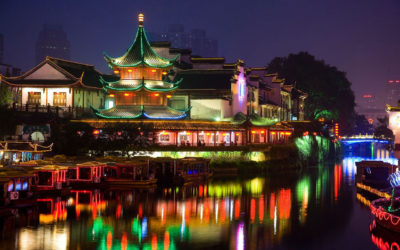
pixel 52 41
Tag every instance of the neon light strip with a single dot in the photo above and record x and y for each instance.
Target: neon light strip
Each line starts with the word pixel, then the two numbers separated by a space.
pixel 165 118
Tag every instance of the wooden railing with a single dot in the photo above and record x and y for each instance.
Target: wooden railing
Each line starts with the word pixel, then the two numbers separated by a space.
pixel 72 112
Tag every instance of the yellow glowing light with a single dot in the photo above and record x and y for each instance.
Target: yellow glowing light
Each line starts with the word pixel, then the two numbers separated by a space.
pixel 168 96
pixel 153 70
pixel 224 134
pixel 288 133
pixel 156 94
pixel 208 134
pixel 253 132
pixel 164 133
pixel 141 18
pixel 237 134
pixel 126 94
pixel 129 70
pixel 164 73
pixel 116 71
pixel 111 95
pixel 262 131
pixel 188 133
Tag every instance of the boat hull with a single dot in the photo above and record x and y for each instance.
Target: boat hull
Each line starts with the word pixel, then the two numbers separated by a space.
pixel 384 218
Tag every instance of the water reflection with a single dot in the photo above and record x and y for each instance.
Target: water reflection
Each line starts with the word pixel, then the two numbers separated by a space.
pixel 276 211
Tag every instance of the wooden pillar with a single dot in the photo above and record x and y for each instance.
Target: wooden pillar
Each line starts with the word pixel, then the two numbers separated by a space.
pixel 215 138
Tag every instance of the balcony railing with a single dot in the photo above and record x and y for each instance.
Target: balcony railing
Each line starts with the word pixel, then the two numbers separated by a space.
pixel 70 112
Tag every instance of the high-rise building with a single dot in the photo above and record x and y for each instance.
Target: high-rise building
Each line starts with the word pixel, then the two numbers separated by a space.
pixel 52 41
pixel 196 40
pixel 1 48
pixel 371 108
pixel 392 92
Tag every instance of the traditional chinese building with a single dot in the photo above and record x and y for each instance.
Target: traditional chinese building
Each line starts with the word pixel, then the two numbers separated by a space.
pixel 57 83
pixel 141 86
pixel 183 99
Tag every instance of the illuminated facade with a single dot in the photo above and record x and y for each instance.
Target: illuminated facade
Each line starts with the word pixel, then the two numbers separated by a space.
pixel 186 100
pixel 57 83
pixel 394 122
pixel 141 86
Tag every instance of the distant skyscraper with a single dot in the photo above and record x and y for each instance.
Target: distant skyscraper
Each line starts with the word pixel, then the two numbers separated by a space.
pixel 196 40
pixel 52 41
pixel 392 92
pixel 371 108
pixel 1 48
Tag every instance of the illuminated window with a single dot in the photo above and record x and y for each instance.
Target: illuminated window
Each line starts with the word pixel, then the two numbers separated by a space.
pixel 60 99
pixel 126 99
pixel 34 98
pixel 152 99
pixel 164 138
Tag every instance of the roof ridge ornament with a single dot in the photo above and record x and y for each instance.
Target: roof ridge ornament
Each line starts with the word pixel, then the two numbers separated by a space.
pixel 141 19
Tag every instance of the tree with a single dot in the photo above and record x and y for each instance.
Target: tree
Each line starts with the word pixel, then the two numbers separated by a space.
pixel 5 95
pixel 329 92
pixel 8 122
pixel 362 126
pixel 382 129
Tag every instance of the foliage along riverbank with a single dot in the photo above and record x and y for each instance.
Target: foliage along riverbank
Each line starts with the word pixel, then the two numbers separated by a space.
pixel 304 151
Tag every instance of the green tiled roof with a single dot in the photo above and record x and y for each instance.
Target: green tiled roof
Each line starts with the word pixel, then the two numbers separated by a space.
pixel 91 77
pixel 138 111
pixel 140 52
pixel 132 85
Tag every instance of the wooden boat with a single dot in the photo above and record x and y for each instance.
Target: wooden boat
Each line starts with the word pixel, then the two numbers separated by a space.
pixel 50 177
pixel 132 173
pixel 374 173
pixel 192 169
pixel 87 173
pixel 384 239
pixel 15 187
pixel 383 216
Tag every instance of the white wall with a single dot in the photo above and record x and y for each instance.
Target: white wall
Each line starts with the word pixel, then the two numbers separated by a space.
pixel 394 125
pixel 210 109
pixel 25 92
pixel 50 94
pixel 47 72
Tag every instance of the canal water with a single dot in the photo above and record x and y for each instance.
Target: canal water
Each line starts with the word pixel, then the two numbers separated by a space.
pixel 318 209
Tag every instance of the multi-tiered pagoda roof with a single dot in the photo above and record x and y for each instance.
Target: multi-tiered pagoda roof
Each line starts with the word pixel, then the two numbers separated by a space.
pixel 141 83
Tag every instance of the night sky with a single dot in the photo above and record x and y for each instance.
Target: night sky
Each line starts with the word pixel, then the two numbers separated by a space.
pixel 361 38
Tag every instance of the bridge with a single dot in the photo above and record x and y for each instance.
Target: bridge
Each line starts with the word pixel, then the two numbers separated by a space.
pixel 364 139
pixel 367 145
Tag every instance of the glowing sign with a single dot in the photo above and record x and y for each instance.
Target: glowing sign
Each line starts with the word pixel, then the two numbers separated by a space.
pixel 241 86
pixel 337 129
pixel 395 120
pixel 394 179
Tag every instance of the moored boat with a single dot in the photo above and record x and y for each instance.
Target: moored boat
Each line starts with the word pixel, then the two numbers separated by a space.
pixel 374 173
pixel 16 187
pixel 84 174
pixel 131 173
pixel 192 169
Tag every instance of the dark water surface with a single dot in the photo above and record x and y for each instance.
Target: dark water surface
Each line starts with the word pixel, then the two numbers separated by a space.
pixel 318 209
